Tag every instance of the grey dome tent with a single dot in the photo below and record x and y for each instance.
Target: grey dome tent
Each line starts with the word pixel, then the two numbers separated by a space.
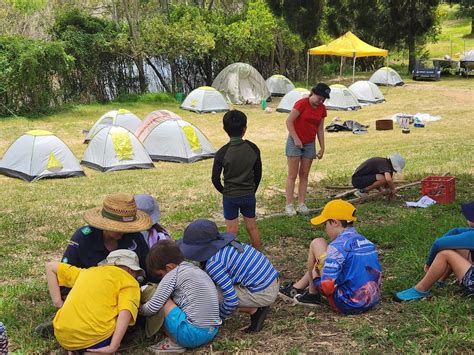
pixel 241 84
pixel 367 92
pixel 279 85
pixel 39 154
pixel 116 148
pixel 341 98
pixel 122 118
pixel 205 99
pixel 289 100
pixel 386 76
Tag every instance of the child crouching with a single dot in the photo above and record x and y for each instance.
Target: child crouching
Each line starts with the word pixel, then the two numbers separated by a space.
pixel 188 297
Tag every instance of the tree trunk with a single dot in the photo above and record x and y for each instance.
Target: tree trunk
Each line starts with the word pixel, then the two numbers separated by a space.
pixel 411 53
pixel 158 74
pixel 472 28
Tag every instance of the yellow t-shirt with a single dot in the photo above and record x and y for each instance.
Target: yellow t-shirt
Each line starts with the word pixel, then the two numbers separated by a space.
pixel 90 311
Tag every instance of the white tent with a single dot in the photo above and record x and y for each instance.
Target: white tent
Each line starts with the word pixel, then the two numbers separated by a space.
pixel 241 84
pixel 279 85
pixel 386 76
pixel 115 148
pixel 205 99
pixel 176 140
pixel 122 118
pixel 367 92
pixel 289 100
pixel 39 154
pixel 341 98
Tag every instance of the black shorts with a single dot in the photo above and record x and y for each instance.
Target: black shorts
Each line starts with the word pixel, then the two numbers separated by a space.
pixel 360 182
pixel 467 282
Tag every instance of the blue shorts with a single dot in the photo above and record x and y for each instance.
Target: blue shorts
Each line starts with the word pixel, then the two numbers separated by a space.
pixel 308 151
pixel 185 333
pixel 96 346
pixel 246 204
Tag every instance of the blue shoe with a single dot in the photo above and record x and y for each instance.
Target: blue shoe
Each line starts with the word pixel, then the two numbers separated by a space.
pixel 410 294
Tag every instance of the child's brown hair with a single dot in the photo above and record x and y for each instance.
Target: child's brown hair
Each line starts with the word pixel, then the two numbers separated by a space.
pixel 162 253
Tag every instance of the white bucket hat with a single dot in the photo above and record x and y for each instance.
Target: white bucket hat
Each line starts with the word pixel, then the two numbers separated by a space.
pixel 398 162
pixel 123 257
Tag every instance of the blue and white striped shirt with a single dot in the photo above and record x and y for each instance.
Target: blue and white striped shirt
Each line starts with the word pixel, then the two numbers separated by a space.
pixel 193 292
pixel 250 269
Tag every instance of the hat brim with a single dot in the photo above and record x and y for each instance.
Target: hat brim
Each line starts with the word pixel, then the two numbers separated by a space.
pixel 468 211
pixel 94 218
pixel 318 220
pixel 153 323
pixel 155 216
pixel 202 252
pixel 133 267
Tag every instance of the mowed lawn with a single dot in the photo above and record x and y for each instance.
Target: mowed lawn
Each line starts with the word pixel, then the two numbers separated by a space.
pixel 38 218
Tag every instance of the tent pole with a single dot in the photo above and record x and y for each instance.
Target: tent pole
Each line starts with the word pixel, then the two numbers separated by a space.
pixel 307 69
pixel 353 66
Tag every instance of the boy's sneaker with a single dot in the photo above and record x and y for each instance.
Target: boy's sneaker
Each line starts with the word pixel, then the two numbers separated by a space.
pixel 410 294
pixel 44 330
pixel 309 299
pixel 302 209
pixel 289 291
pixel 166 346
pixel 290 210
pixel 360 193
pixel 257 319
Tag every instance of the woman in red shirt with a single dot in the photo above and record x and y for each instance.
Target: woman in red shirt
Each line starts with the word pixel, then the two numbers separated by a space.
pixel 304 123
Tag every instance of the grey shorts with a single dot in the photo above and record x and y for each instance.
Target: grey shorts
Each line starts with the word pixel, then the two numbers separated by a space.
pixel 262 298
pixel 308 151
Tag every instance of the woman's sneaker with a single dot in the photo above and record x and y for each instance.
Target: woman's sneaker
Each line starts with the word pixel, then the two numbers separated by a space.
pixel 302 209
pixel 289 292
pixel 290 210
pixel 309 299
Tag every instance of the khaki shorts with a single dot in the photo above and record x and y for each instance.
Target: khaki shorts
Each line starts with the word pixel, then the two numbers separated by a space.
pixel 263 298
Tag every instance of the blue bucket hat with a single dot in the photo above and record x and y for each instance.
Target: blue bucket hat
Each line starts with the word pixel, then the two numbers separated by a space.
pixel 201 240
pixel 468 211
pixel 148 204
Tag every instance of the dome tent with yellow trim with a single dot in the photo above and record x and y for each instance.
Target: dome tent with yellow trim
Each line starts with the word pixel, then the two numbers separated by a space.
pixel 176 140
pixel 205 99
pixel 289 100
pixel 386 76
pixel 279 85
pixel 115 148
pixel 39 154
pixel 122 118
pixel 367 92
pixel 342 99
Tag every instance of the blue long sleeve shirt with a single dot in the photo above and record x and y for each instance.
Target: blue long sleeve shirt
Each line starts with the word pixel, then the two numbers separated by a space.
pixel 457 238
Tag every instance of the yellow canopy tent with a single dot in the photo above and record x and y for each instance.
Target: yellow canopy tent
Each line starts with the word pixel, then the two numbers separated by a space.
pixel 348 45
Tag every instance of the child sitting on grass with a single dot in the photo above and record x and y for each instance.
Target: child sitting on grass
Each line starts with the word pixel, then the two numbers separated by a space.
pixel 453 252
pixel 102 303
pixel 188 297
pixel 347 271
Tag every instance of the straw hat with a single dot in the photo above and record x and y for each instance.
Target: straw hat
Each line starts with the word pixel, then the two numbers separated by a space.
pixel 118 213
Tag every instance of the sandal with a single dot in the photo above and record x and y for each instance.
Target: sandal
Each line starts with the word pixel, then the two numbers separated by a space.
pixel 166 346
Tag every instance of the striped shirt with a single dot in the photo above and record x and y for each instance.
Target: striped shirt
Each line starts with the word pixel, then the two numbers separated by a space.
pixel 250 269
pixel 193 292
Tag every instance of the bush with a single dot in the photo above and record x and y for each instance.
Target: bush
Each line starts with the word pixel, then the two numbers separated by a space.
pixel 152 97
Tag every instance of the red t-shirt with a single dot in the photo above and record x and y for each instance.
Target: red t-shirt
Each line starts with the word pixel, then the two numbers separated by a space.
pixel 307 123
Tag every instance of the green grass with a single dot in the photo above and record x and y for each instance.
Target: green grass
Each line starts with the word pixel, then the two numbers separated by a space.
pixel 38 218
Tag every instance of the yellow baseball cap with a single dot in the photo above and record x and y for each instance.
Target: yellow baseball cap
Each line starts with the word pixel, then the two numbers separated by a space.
pixel 336 209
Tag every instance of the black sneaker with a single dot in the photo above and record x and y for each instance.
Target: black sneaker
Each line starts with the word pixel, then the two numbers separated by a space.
pixel 309 299
pixel 44 330
pixel 257 319
pixel 289 292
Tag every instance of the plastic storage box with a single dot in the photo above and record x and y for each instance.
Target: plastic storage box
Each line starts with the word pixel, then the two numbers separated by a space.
pixel 442 189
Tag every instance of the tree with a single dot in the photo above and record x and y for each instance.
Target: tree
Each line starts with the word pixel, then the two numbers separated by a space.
pixel 409 24
pixel 466 9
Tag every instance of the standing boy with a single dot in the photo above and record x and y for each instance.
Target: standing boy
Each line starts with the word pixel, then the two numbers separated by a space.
pixel 347 271
pixel 240 160
pixel 376 173
pixel 246 279
pixel 187 296
pixel 102 304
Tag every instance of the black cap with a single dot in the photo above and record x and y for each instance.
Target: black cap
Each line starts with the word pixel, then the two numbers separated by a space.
pixel 321 89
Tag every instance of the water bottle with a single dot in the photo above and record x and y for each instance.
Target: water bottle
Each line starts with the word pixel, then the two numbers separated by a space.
pixel 3 340
pixel 264 104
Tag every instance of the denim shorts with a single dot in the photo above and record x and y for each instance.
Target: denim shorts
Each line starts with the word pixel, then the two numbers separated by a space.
pixel 360 182
pixel 185 333
pixel 308 151
pixel 246 204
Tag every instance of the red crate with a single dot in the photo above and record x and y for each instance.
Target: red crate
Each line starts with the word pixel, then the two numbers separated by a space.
pixel 442 189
